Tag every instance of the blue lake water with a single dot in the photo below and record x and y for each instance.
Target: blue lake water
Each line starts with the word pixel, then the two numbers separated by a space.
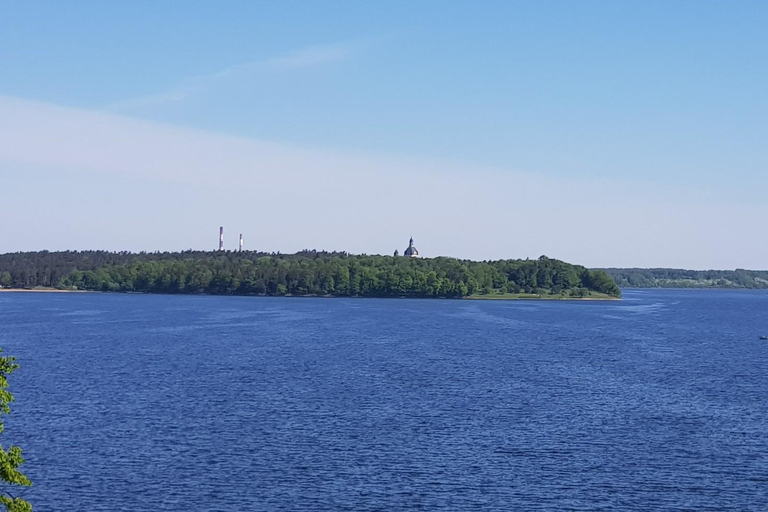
pixel 159 403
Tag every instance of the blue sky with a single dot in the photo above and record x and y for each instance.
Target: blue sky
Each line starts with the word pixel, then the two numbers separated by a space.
pixel 604 133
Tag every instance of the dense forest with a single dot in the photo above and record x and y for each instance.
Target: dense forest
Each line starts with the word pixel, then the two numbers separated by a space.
pixel 303 273
pixel 677 278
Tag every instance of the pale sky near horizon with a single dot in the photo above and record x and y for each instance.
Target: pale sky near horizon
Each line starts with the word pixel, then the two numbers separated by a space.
pixel 603 133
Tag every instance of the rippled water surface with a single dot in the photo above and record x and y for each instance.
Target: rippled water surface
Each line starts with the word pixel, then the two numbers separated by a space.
pixel 158 403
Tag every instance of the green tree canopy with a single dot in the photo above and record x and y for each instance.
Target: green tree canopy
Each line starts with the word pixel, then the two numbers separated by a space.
pixel 681 278
pixel 315 273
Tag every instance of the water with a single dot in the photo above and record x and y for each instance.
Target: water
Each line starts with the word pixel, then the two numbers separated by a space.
pixel 157 403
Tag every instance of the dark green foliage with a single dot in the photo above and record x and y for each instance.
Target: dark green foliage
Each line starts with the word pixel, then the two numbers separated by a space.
pixel 30 269
pixel 303 273
pixel 678 278
pixel 11 459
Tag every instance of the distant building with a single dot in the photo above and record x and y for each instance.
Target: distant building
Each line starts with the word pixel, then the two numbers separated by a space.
pixel 411 251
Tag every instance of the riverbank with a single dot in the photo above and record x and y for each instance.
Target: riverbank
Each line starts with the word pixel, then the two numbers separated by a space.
pixel 42 290
pixel 533 296
pixel 498 296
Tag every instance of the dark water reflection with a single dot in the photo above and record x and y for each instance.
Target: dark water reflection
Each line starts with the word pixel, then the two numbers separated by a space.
pixel 130 402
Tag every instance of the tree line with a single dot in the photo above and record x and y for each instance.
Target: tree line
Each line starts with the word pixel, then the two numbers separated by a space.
pixel 303 273
pixel 680 278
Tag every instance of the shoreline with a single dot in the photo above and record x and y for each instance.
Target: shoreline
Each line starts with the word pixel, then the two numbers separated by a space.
pixel 545 297
pixel 470 297
pixel 43 290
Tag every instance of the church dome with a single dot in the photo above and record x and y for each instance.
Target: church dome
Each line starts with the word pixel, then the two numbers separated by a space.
pixel 411 250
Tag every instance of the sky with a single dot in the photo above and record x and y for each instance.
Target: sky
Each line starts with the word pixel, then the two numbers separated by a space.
pixel 603 133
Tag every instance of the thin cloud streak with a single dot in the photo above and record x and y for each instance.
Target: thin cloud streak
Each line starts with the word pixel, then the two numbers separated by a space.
pixel 310 57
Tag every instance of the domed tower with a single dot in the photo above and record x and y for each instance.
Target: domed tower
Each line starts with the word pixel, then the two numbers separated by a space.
pixel 411 251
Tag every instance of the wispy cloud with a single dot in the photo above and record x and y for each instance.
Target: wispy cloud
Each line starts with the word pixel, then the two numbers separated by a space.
pixel 309 57
pixel 155 184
